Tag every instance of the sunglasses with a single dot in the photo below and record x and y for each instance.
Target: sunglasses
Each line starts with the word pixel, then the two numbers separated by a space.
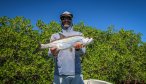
pixel 66 18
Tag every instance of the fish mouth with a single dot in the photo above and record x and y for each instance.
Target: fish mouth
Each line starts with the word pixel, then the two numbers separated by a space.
pixel 87 41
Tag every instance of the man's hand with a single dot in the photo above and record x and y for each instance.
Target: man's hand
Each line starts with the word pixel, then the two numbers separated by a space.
pixel 54 51
pixel 78 45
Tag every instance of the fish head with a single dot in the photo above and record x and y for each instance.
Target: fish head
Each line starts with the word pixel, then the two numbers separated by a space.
pixel 87 41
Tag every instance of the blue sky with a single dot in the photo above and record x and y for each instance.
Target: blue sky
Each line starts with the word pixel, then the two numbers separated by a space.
pixel 127 14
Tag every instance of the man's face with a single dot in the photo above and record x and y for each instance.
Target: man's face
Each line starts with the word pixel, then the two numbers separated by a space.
pixel 66 21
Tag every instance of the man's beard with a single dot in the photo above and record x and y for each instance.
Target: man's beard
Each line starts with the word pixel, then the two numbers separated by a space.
pixel 66 25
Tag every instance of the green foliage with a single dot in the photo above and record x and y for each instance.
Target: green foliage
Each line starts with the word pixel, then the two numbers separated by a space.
pixel 114 55
pixel 18 64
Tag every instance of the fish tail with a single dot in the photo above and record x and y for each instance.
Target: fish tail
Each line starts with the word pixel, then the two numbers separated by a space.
pixel 43 46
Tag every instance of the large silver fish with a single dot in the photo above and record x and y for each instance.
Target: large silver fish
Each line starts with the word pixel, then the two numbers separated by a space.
pixel 67 42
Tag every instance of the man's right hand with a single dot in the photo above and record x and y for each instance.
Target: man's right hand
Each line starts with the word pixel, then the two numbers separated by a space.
pixel 54 51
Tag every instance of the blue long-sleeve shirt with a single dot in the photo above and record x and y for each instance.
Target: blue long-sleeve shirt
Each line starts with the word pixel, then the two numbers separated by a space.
pixel 68 61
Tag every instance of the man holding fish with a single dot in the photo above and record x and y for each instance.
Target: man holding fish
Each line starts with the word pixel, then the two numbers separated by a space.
pixel 67 59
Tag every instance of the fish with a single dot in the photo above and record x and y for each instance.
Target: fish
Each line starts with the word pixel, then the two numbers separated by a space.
pixel 67 42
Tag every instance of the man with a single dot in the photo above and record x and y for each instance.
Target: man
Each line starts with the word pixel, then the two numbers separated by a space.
pixel 67 62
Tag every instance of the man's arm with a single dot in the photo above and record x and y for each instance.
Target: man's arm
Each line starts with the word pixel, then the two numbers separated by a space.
pixel 53 52
pixel 79 47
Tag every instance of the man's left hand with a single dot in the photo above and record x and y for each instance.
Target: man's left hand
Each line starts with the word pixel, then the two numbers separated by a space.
pixel 78 45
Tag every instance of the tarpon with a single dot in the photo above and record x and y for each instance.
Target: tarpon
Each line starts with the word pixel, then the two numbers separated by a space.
pixel 67 42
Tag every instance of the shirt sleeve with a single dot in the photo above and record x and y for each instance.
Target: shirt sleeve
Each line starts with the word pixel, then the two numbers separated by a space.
pixel 81 51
